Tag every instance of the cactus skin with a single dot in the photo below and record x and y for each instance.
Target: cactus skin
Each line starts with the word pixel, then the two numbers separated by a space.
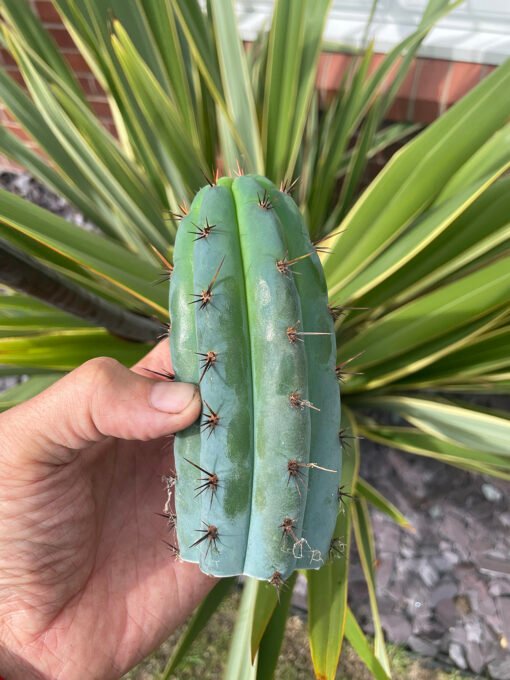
pixel 262 517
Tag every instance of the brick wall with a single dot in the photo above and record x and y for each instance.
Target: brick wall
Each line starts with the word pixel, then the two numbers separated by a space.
pixel 431 86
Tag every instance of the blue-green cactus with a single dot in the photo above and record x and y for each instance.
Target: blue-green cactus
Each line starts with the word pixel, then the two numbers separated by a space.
pixel 256 488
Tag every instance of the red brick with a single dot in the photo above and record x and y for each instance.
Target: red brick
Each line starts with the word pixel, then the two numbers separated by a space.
pixel 376 61
pixel 403 104
pixel 110 126
pixel 407 89
pixel 47 11
pixel 331 69
pixel 398 111
pixel 339 67
pixel 425 110
pixel 76 61
pixel 61 37
pixel 463 77
pixel 18 131
pixel 100 106
pixel 15 74
pixel 5 58
pixel 4 114
pixel 432 78
pixel 89 84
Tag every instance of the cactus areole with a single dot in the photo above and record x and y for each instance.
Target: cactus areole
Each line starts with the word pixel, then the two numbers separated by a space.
pixel 257 476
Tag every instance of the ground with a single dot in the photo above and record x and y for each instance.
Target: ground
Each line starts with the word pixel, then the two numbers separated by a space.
pixel 207 656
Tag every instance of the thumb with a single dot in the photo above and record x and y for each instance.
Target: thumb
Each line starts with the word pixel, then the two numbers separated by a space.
pixel 99 399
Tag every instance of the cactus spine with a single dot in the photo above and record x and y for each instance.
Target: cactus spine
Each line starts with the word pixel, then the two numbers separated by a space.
pixel 257 478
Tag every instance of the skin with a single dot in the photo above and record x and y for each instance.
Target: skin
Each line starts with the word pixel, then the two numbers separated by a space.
pixel 87 586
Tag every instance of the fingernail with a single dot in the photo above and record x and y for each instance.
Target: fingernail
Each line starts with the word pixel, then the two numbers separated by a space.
pixel 171 397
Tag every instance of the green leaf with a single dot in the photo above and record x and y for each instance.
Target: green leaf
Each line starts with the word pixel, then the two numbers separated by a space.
pixel 27 274
pixel 366 551
pixel 421 443
pixel 413 177
pixel 376 498
pixel 93 152
pixel 65 350
pixel 26 390
pixel 197 623
pixel 458 425
pixel 431 225
pixel 162 114
pixel 67 180
pixel 482 356
pixel 267 601
pixel 387 373
pixel 21 18
pixel 340 123
pixel 327 586
pixel 358 93
pixel 293 51
pixel 99 255
pixel 23 314
pixel 236 85
pixel 272 639
pixel 433 315
pixel 362 647
pixel 239 662
pixel 481 227
pixel 493 154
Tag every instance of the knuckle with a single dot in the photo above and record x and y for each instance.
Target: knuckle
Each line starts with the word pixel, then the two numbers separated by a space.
pixel 97 370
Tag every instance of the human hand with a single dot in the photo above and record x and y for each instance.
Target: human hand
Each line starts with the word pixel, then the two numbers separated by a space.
pixel 87 588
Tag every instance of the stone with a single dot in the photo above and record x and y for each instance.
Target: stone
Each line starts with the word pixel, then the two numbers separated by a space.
pixel 456 654
pixel 499 587
pixel 446 612
pixel 442 591
pixel 499 669
pixel 503 608
pixel 422 646
pixel 445 561
pixel 491 493
pixel 436 512
pixel 299 598
pixel 407 551
pixel 475 658
pixel 397 628
pixel 428 574
pixel 385 571
pixel 473 629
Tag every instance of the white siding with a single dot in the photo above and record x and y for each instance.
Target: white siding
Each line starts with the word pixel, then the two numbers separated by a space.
pixel 477 31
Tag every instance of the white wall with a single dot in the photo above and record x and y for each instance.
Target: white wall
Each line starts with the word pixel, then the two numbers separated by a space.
pixel 477 31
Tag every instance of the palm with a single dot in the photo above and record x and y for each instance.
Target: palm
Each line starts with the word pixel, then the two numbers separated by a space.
pixel 101 590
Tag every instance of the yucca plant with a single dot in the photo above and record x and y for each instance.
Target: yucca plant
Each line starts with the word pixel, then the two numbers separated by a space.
pixel 417 266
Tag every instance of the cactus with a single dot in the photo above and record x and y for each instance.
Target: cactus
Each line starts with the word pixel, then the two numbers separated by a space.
pixel 257 477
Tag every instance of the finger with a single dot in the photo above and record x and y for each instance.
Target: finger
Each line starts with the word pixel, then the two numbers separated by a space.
pixel 99 399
